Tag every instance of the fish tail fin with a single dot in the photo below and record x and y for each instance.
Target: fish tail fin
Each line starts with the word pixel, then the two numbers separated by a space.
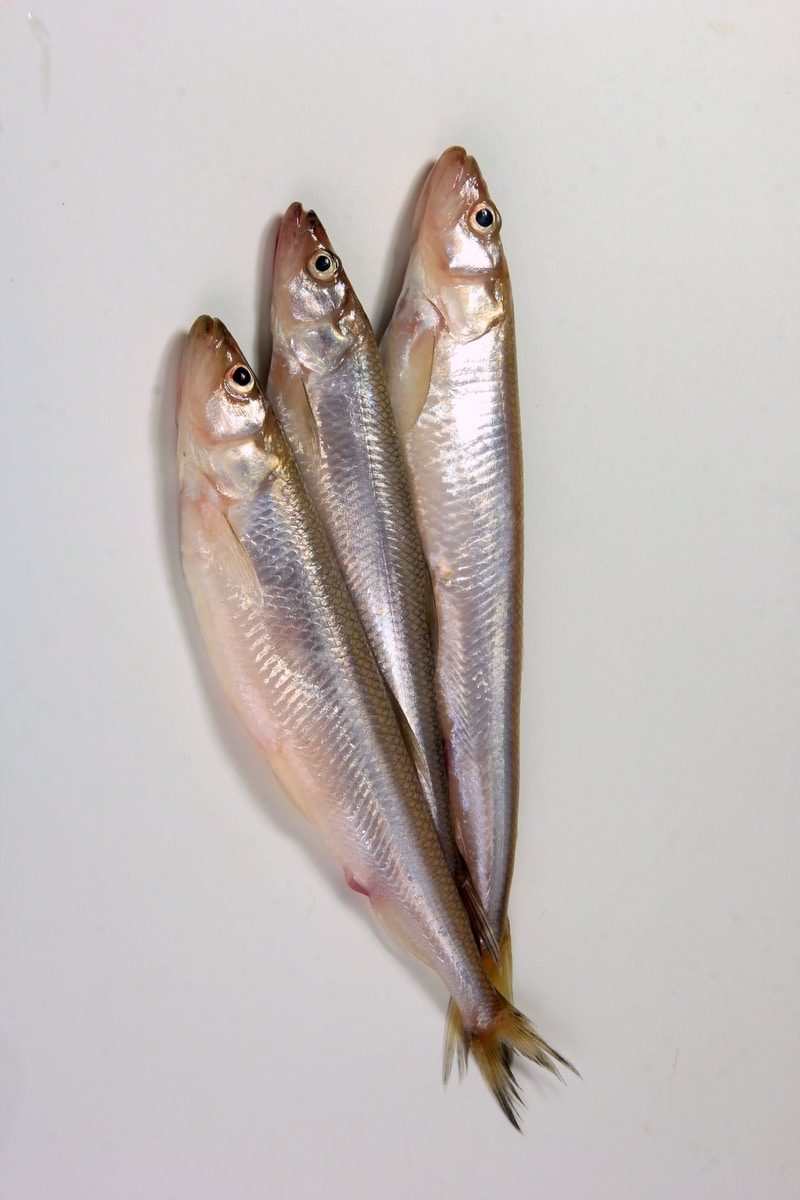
pixel 497 963
pixel 492 1050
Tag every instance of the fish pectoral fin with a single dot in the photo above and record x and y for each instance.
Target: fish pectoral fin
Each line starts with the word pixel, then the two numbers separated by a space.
pixel 238 565
pixel 410 377
pixel 295 414
pixel 227 556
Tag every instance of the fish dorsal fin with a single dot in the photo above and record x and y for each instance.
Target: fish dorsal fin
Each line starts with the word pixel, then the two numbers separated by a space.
pixel 409 737
pixel 477 915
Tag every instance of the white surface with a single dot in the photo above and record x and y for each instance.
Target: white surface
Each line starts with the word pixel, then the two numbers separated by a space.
pixel 191 1004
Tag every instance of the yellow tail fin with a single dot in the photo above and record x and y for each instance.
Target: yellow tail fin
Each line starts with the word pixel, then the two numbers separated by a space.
pixel 492 1050
pixel 496 960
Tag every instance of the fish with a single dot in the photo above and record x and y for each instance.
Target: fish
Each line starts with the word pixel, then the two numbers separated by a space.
pixel 328 389
pixel 294 662
pixel 450 358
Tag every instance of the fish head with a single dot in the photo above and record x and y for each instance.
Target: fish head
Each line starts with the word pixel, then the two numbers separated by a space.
pixel 314 309
pixel 221 414
pixel 458 253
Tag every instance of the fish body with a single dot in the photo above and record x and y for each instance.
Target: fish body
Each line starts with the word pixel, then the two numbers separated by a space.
pixel 328 389
pixel 292 656
pixel 450 360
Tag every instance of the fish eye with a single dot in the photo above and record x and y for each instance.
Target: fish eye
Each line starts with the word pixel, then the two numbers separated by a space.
pixel 484 217
pixel 323 266
pixel 240 381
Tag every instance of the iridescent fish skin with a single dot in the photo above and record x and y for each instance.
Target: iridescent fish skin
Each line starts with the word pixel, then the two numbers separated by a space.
pixel 450 359
pixel 295 664
pixel 328 389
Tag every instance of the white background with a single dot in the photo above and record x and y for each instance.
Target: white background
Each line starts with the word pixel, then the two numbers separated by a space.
pixel 191 1003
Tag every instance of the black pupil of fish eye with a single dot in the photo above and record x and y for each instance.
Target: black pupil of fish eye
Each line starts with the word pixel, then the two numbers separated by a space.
pixel 484 217
pixel 241 377
pixel 322 263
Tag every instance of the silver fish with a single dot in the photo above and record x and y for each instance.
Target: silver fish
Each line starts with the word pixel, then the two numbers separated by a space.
pixel 450 360
pixel 327 386
pixel 293 659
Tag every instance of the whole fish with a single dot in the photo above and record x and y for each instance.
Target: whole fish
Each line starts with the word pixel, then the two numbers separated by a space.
pixel 328 388
pixel 293 659
pixel 450 362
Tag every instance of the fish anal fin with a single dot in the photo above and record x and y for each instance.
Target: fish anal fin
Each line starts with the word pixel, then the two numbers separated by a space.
pixel 431 612
pixel 504 965
pixel 354 884
pixel 409 737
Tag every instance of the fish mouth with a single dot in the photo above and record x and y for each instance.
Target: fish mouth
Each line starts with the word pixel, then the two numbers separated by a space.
pixel 205 330
pixel 205 337
pixel 291 222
